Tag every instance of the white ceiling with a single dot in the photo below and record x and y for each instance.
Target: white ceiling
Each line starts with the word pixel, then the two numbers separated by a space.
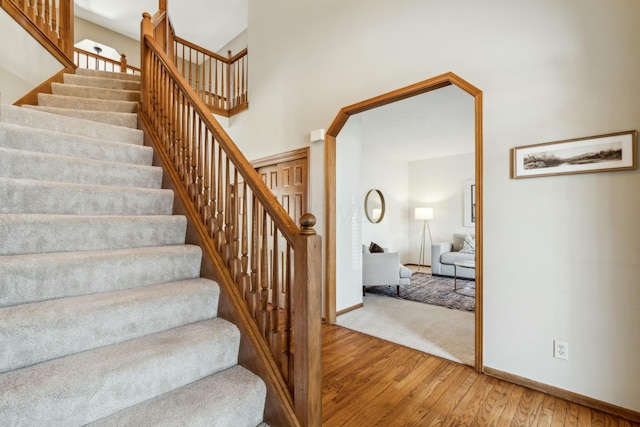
pixel 431 125
pixel 207 23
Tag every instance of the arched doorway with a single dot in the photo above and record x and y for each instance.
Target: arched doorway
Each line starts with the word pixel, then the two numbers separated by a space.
pixel 330 188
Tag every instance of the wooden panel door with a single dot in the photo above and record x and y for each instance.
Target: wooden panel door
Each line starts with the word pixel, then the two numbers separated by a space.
pixel 288 179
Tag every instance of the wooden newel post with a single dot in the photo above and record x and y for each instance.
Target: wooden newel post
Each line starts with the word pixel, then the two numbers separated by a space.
pixel 146 29
pixel 123 63
pixel 307 305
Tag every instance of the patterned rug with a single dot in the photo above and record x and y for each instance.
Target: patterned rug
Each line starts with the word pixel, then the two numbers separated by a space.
pixel 434 290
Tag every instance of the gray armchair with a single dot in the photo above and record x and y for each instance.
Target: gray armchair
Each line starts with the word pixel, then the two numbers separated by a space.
pixel 383 269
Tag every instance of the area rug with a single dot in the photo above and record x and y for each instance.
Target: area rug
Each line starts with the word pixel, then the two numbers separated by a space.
pixel 434 290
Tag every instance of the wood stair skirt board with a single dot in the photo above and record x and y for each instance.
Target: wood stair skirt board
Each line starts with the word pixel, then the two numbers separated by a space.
pixel 104 317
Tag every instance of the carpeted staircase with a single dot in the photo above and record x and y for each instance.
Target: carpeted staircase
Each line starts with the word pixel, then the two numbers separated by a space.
pixel 103 316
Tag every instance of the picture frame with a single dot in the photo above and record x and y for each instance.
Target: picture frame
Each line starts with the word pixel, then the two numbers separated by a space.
pixel 600 153
pixel 470 203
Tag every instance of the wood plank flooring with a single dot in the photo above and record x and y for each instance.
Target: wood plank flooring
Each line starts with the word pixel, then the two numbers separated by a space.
pixel 371 382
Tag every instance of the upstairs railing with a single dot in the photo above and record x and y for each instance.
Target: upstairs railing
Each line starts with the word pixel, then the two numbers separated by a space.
pixel 220 82
pixel 266 261
pixel 54 18
pixel 85 59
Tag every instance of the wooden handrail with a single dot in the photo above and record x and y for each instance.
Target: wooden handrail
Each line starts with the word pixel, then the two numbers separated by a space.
pixel 86 59
pixel 264 260
pixel 221 82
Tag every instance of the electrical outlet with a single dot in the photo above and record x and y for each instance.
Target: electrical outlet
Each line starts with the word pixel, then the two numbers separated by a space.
pixel 560 350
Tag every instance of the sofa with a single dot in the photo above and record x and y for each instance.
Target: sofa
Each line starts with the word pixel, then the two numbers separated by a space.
pixel 382 268
pixel 462 247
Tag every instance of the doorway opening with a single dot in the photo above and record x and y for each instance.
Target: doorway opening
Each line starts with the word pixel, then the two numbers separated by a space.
pixel 336 127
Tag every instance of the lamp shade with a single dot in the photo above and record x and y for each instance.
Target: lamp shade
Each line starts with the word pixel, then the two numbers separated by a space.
pixel 424 214
pixel 375 213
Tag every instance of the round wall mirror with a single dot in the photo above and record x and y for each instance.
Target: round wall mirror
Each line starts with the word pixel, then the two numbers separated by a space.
pixel 374 206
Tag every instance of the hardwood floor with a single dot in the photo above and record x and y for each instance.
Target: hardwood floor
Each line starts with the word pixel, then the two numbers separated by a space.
pixel 372 382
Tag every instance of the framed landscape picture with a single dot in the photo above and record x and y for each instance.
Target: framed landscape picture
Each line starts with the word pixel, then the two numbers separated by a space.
pixel 601 153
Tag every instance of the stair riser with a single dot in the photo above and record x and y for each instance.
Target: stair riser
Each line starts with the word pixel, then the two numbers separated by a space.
pixel 36 119
pixel 34 333
pixel 107 75
pixel 128 120
pixel 74 103
pixel 41 141
pixel 36 197
pixel 53 168
pixel 32 234
pixel 87 386
pixel 80 80
pixel 238 391
pixel 39 277
pixel 95 92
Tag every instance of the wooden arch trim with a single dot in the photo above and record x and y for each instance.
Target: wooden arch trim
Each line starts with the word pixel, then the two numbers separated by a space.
pixel 341 119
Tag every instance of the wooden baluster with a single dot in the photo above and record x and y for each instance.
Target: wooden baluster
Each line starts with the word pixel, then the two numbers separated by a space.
pixel 32 10
pixel 206 177
pixel 55 34
pixel 216 99
pixel 46 19
pixel 246 78
pixel 245 282
pixel 213 227
pixel 227 255
pixel 236 267
pixel 228 95
pixel 275 338
pixel 210 99
pixel 253 298
pixel 220 216
pixel 287 367
pixel 263 320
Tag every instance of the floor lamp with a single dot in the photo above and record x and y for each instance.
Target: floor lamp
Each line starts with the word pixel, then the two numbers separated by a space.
pixel 424 214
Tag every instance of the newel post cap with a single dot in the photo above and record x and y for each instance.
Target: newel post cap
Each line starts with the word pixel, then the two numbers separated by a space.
pixel 307 221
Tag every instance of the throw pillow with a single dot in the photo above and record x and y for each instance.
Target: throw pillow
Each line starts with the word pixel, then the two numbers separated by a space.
pixel 375 248
pixel 469 245
pixel 458 242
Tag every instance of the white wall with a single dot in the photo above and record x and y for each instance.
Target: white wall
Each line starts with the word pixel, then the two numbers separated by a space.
pixel 439 184
pixel 349 216
pixel 24 63
pixel 390 176
pixel 561 253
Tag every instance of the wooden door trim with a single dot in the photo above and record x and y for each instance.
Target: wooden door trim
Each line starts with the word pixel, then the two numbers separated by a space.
pixel 428 85
pixel 300 153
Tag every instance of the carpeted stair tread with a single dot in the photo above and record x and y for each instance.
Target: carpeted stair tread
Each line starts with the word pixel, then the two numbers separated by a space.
pixel 128 120
pixel 103 313
pixel 34 333
pixel 87 386
pixel 24 196
pixel 100 82
pixel 44 141
pixel 107 74
pixel 95 92
pixel 30 278
pixel 88 104
pixel 32 234
pixel 233 397
pixel 37 119
pixel 21 164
